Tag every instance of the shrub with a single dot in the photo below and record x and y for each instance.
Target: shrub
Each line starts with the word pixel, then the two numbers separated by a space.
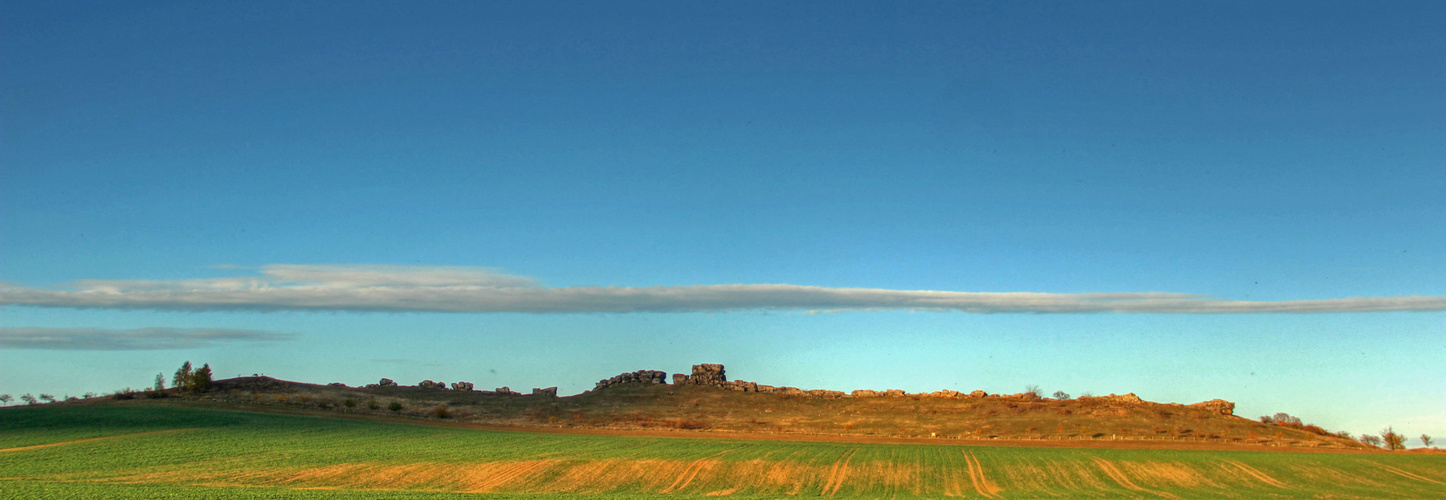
pixel 1061 395
pixel 281 398
pixel 395 406
pixel 373 404
pixel 441 412
pixel 1032 391
pixel 350 403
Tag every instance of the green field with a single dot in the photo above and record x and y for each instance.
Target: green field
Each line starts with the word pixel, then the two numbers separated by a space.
pixel 168 452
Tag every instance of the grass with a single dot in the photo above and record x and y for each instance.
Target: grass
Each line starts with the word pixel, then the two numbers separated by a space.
pixel 175 452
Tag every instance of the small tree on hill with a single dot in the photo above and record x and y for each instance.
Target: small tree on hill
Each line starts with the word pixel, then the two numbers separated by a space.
pixel 1393 440
pixel 1032 391
pixel 1061 395
pixel 5 399
pixel 29 399
pixel 1370 439
pixel 1425 438
pixel 47 398
pixel 182 380
pixel 160 383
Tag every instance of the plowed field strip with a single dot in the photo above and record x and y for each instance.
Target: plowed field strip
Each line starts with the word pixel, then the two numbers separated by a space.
pixel 981 483
pixel 1257 474
pixel 1120 478
pixel 1408 475
pixel 837 473
pixel 86 440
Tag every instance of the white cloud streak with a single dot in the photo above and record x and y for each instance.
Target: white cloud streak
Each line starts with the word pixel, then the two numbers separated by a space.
pixel 481 290
pixel 105 339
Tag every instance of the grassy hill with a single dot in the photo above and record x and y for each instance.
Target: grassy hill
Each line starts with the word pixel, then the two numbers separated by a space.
pixel 706 409
pixel 158 451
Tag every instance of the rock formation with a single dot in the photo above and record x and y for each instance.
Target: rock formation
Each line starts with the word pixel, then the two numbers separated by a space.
pixel 505 391
pixel 386 382
pixel 1215 406
pixel 550 392
pixel 428 384
pixel 462 386
pixel 637 377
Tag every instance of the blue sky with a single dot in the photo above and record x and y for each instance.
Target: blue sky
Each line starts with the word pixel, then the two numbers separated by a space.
pixel 1260 184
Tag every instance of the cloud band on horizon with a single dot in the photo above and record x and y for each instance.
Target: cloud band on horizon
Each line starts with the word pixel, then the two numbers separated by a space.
pixel 481 290
pixel 135 339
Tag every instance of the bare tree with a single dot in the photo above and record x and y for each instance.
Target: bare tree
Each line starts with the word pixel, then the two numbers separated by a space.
pixel 5 399
pixel 47 398
pixel 1032 391
pixel 29 399
pixel 1425 438
pixel 1061 395
pixel 1392 440
pixel 1370 439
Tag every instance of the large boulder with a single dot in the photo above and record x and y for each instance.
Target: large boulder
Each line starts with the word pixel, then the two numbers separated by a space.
pixel 386 382
pixel 1216 406
pixel 550 392
pixel 462 386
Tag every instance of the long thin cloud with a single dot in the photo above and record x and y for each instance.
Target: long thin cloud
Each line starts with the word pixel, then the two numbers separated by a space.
pixel 106 339
pixel 481 290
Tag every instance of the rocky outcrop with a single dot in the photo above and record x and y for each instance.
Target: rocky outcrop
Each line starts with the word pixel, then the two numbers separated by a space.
pixel 637 377
pixel 505 391
pixel 1215 406
pixel 462 386
pixel 866 393
pixel 428 384
pixel 710 374
pixel 550 392
pixel 386 382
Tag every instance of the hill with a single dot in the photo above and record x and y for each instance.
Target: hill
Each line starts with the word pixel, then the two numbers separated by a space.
pixel 708 403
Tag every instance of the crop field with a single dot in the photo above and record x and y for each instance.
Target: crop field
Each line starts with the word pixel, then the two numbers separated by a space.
pixel 169 452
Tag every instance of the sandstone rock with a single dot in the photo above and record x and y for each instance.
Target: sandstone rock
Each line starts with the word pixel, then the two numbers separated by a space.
pixel 386 382
pixel 866 393
pixel 895 393
pixel 1216 406
pixel 680 379
pixel 428 384
pixel 462 386
pixel 505 391
pixel 765 388
pixel 978 394
pixel 708 374
pixel 550 392
pixel 640 376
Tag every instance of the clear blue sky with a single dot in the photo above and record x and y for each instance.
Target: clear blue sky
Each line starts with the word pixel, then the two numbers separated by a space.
pixel 268 186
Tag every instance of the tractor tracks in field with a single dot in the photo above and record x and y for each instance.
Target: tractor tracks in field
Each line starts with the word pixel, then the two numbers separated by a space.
pixel 837 473
pixel 1255 473
pixel 691 472
pixel 981 483
pixel 87 440
pixel 1121 479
